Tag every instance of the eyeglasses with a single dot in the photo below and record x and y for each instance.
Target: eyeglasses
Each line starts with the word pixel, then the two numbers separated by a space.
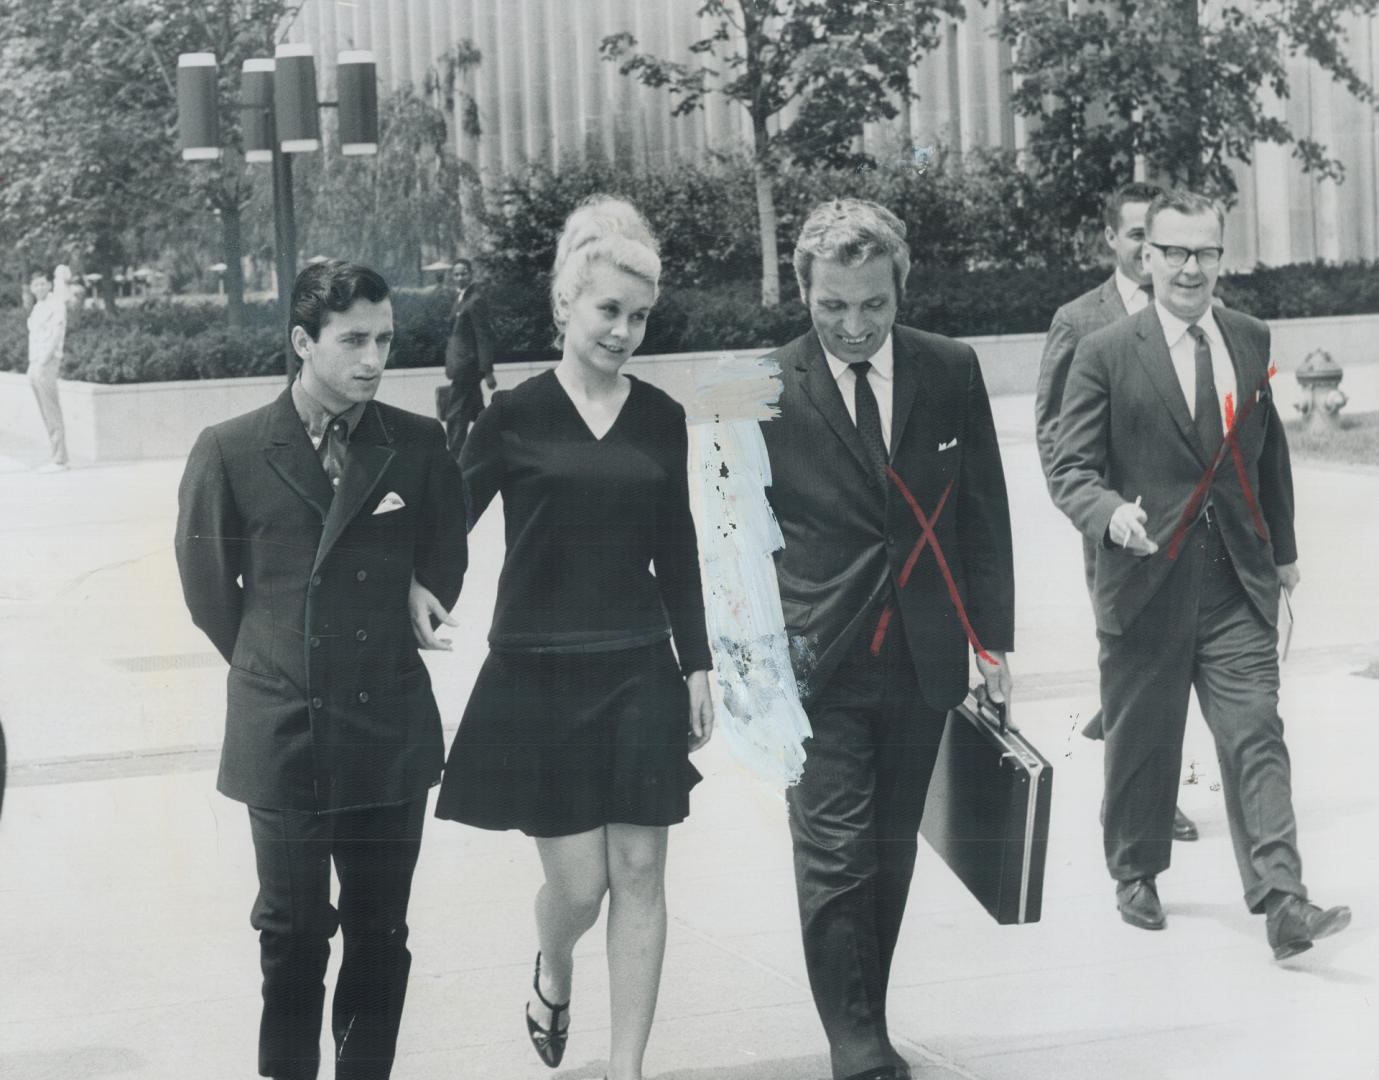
pixel 1177 257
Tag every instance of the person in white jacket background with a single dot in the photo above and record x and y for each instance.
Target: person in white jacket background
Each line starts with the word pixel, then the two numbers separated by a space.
pixel 47 333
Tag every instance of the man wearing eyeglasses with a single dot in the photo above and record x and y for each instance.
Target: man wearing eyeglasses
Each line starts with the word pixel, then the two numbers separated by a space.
pixel 1171 456
pixel 1128 290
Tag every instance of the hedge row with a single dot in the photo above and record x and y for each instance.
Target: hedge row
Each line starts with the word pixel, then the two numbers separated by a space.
pixel 162 341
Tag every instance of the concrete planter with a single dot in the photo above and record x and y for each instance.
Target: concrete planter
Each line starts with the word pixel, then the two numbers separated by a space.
pixel 156 420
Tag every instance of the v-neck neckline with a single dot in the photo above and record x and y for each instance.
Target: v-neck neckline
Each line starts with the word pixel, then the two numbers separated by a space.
pixel 565 394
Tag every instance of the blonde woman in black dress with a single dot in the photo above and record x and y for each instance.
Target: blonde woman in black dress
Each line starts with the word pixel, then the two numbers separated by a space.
pixel 581 722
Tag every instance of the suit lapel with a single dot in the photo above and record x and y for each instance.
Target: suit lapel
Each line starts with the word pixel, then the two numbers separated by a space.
pixel 1111 299
pixel 1250 375
pixel 907 363
pixel 821 388
pixel 367 460
pixel 1152 352
pixel 291 455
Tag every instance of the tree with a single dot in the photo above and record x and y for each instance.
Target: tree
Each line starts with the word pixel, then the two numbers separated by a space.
pixel 1112 80
pixel 390 209
pixel 842 63
pixel 92 162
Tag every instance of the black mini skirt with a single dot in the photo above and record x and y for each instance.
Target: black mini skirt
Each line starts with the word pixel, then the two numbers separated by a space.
pixel 559 744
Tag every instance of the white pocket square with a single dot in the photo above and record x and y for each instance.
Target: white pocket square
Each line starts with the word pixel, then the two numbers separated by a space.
pixel 948 445
pixel 390 502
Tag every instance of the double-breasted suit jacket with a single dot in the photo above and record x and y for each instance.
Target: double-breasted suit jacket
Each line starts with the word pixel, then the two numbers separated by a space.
pixel 1125 431
pixel 303 590
pixel 849 534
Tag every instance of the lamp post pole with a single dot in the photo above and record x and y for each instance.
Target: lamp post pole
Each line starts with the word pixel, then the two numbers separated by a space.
pixel 284 246
pixel 279 113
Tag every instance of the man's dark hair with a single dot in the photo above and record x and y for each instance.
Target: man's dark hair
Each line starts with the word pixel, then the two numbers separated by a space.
pixel 332 285
pixel 468 262
pixel 1127 193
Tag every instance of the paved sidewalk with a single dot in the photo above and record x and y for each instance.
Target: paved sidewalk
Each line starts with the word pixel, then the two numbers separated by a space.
pixel 126 881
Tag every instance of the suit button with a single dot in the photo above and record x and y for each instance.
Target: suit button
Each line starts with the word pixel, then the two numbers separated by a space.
pixel 362 635
pixel 315 643
pixel 363 697
pixel 316 579
pixel 360 575
pixel 316 703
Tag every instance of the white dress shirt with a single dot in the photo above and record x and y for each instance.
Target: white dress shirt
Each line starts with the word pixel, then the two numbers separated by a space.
pixel 882 379
pixel 1183 351
pixel 1132 294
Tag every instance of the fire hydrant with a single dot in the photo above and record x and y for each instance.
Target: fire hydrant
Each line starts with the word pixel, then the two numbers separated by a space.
pixel 1320 377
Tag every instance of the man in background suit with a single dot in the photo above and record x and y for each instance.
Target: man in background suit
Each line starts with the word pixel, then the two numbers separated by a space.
pixel 1172 459
pixel 1127 291
pixel 873 415
pixel 302 527
pixel 468 357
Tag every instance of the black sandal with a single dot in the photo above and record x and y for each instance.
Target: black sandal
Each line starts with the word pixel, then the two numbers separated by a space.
pixel 550 1044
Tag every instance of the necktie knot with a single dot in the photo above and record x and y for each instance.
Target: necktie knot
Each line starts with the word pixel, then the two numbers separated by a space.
pixel 1197 333
pixel 860 368
pixel 1148 289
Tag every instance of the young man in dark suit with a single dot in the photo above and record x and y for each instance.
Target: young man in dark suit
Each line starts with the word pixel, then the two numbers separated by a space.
pixel 302 526
pixel 1127 291
pixel 879 426
pixel 468 356
pixel 1172 460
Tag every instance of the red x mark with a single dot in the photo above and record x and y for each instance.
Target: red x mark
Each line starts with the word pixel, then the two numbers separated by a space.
pixel 1234 421
pixel 927 536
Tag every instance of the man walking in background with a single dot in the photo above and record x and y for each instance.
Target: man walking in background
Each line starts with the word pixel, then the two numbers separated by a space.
pixel 47 335
pixel 301 529
pixel 468 357
pixel 1128 290
pixel 1172 460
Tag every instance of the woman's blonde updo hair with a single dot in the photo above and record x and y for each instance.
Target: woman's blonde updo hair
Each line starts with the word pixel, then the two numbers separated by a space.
pixel 601 228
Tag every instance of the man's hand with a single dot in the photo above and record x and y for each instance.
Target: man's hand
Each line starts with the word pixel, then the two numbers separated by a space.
pixel 421 606
pixel 999 681
pixel 490 381
pixel 1289 576
pixel 701 709
pixel 1127 529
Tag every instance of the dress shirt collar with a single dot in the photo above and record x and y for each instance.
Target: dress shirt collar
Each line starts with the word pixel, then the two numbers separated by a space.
pixel 1131 292
pixel 316 418
pixel 1175 328
pixel 882 361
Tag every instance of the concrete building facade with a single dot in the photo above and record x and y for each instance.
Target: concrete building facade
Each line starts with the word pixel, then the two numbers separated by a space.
pixel 544 94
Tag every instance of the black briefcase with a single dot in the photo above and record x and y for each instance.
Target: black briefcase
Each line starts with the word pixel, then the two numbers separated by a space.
pixel 987 813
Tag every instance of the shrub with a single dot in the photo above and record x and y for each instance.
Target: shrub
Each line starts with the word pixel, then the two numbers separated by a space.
pixel 160 341
pixel 983 211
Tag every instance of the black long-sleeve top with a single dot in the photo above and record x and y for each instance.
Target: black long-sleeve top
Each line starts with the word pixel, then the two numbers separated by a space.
pixel 586 520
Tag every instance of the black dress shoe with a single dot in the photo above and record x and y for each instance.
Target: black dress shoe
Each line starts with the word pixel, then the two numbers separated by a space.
pixel 549 1042
pixel 1183 828
pixel 1294 924
pixel 1138 902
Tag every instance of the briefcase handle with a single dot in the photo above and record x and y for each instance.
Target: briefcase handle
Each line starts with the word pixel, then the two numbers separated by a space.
pixel 993 712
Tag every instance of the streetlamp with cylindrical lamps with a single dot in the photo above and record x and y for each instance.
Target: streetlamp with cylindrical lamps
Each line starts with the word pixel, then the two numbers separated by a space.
pixel 280 117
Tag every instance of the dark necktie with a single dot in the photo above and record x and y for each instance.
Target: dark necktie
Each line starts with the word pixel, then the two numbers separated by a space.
pixel 1206 411
pixel 334 444
pixel 869 419
pixel 1148 289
